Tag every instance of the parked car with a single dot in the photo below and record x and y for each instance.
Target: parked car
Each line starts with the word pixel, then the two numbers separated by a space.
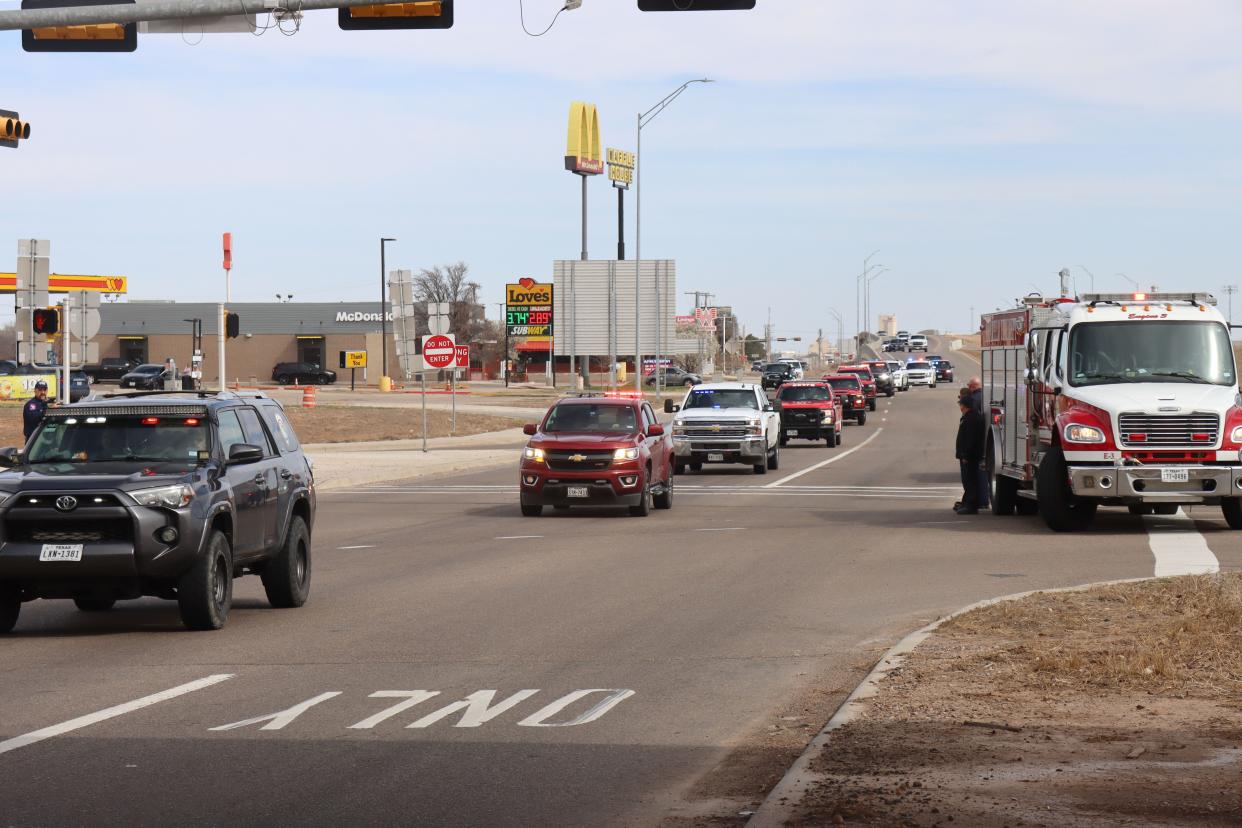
pixel 853 399
pixel 672 376
pixel 725 422
pixel 149 377
pixel 108 368
pixel 776 374
pixel 883 377
pixel 172 496
pixel 595 450
pixel 865 377
pixel 944 371
pixel 810 411
pixel 297 373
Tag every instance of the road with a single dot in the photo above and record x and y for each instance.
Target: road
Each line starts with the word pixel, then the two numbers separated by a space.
pixel 714 638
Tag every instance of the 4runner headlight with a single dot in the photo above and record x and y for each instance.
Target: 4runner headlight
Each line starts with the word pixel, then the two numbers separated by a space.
pixel 535 454
pixel 625 454
pixel 1076 433
pixel 172 497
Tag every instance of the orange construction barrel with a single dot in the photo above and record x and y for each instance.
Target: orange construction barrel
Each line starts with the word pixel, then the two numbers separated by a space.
pixel 308 396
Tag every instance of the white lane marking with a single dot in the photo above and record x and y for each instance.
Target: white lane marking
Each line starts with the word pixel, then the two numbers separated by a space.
pixel 1178 547
pixel 540 717
pixel 360 546
pixel 477 709
pixel 823 463
pixel 517 537
pixel 723 529
pixel 110 713
pixel 281 718
pixel 412 697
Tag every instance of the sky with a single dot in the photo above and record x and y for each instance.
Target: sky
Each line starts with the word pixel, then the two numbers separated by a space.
pixel 978 146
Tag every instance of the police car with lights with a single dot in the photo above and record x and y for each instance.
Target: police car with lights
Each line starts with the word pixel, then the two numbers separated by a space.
pixel 165 494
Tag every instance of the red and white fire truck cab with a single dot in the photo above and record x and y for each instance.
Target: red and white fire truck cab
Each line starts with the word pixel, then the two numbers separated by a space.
pixel 1112 400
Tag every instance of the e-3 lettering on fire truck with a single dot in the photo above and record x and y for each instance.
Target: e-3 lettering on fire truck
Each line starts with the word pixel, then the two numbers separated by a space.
pixel 1112 400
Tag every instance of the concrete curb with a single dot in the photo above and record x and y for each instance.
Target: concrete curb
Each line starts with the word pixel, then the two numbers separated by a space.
pixel 782 801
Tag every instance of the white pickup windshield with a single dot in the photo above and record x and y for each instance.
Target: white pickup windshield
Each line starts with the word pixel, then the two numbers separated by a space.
pixel 1102 353
pixel 721 398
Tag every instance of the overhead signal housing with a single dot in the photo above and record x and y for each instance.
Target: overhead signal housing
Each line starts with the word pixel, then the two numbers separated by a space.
pixel 12 129
pixel 695 5
pixel 96 37
pixel 419 14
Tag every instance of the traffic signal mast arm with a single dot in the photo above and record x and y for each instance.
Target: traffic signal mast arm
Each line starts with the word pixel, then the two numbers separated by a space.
pixel 13 19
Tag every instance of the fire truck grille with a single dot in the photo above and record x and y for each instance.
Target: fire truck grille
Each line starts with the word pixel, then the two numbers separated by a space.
pixel 1142 430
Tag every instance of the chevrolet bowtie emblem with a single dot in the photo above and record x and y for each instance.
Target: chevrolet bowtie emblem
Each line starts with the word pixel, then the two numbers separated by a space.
pixel 577 458
pixel 716 427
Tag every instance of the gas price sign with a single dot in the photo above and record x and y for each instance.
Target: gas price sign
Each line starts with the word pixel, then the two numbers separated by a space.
pixel 528 309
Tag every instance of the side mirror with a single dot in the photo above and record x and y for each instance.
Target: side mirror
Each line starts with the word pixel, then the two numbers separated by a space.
pixel 655 430
pixel 242 453
pixel 769 407
pixel 671 407
pixel 530 429
pixel 10 457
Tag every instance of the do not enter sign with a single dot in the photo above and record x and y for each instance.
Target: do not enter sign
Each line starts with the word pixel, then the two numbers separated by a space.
pixel 439 351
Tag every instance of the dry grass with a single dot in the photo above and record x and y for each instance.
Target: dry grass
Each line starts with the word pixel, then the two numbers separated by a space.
pixel 1176 635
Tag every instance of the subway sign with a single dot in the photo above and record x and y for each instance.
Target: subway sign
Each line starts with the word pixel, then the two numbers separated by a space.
pixel 528 309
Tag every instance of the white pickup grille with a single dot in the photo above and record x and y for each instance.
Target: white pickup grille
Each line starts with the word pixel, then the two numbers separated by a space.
pixel 715 428
pixel 1164 430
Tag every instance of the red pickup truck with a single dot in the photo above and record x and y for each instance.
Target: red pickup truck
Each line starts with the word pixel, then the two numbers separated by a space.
pixel 849 387
pixel 866 378
pixel 811 411
pixel 596 450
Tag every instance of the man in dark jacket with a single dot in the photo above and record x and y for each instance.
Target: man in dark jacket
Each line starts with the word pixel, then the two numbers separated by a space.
pixel 33 411
pixel 969 455
pixel 975 386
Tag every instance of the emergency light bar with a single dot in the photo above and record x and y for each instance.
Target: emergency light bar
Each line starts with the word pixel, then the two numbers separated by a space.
pixel 1154 298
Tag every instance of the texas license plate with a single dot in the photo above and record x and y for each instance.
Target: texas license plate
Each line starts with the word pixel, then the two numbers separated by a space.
pixel 1175 475
pixel 793 432
pixel 578 491
pixel 61 552
pixel 715 458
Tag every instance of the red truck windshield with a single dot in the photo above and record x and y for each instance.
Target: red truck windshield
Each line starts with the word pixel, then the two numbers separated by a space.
pixel 804 393
pixel 579 417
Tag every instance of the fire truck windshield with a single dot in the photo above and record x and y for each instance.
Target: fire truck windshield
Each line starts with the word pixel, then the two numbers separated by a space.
pixel 1103 353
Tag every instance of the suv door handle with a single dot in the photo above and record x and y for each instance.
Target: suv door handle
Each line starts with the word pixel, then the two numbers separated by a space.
pixel 285 474
pixel 261 479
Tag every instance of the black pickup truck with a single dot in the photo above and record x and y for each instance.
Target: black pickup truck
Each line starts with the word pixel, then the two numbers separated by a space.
pixel 109 368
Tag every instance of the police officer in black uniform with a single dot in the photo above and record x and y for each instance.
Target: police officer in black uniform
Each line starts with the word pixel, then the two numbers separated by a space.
pixel 32 412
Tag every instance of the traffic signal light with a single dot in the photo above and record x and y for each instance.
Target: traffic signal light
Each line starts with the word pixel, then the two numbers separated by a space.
pixel 96 37
pixel 12 129
pixel 45 321
pixel 421 14
pixel 695 5
pixel 232 325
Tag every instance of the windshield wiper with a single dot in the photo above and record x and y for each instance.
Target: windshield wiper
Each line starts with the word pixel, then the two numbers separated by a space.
pixel 1102 376
pixel 1186 375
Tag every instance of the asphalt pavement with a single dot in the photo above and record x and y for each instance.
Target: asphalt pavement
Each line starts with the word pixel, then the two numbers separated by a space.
pixel 458 664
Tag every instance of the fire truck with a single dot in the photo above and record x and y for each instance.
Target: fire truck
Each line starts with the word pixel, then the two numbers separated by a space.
pixel 1111 400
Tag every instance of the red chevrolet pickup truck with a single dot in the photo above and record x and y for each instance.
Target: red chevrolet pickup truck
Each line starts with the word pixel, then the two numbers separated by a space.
pixel 811 411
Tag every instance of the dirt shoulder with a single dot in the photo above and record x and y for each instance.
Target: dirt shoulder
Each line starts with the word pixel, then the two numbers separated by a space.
pixel 1121 705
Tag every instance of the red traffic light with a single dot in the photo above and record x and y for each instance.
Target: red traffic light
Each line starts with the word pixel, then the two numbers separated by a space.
pixel 45 321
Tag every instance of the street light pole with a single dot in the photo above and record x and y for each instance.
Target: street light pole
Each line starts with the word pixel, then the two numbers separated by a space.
pixel 867 291
pixel 383 313
pixel 642 120
pixel 859 284
pixel 1089 273
pixel 840 329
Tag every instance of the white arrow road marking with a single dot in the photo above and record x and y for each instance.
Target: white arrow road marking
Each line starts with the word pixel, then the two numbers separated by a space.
pixel 110 713
pixel 281 718
pixel 1178 547
pixel 823 463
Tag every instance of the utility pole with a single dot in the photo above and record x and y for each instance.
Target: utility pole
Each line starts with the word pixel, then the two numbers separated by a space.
pixel 819 349
pixel 767 336
pixel 1230 290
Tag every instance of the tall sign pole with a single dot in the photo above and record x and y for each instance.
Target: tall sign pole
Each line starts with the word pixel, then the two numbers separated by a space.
pixel 583 157
pixel 221 321
pixel 621 173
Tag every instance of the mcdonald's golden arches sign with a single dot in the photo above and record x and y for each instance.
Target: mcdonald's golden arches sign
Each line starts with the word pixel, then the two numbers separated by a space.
pixel 583 152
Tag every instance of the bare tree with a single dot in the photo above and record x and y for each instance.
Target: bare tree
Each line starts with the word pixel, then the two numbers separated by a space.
pixel 8 342
pixel 451 283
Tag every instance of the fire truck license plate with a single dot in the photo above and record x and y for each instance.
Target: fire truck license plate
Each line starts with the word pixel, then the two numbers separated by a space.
pixel 1175 475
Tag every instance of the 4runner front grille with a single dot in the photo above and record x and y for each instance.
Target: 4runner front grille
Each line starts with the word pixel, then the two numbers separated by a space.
pixel 1141 430
pixel 80 531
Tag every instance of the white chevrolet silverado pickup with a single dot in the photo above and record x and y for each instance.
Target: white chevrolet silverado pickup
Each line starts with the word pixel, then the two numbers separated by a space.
pixel 725 422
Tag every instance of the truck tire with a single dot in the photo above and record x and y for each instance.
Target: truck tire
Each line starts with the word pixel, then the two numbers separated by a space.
pixel 205 592
pixel 1165 508
pixel 762 468
pixel 861 419
pixel 1004 494
pixel 679 467
pixel 831 440
pixel 1062 511
pixel 531 510
pixel 1230 506
pixel 664 500
pixel 696 467
pixel 1138 509
pixel 774 459
pixel 890 393
pixel 871 405
pixel 784 440
pixel 94 604
pixel 644 506
pixel 10 606
pixel 286 577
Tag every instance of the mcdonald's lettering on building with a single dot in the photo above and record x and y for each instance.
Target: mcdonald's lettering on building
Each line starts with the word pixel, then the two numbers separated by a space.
pixel 584 153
